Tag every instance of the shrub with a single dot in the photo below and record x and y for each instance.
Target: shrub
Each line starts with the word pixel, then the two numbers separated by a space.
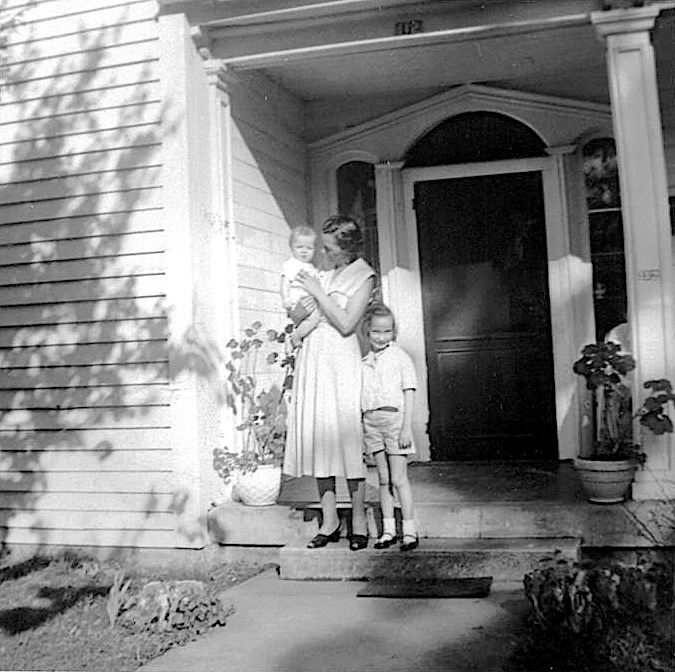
pixel 601 619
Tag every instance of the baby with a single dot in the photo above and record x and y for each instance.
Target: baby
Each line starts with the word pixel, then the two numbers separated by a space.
pixel 302 242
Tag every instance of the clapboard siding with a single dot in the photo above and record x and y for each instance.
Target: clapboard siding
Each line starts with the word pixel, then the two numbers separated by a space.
pixel 85 418
pixel 84 226
pixel 49 89
pixel 92 501
pixel 94 481
pixel 85 405
pixel 86 397
pixel 74 354
pixel 85 460
pixel 121 34
pixel 103 56
pixel 96 15
pixel 122 198
pixel 269 188
pixel 51 189
pixel 99 266
pixel 70 145
pixel 70 165
pixel 58 312
pixel 108 331
pixel 71 439
pixel 43 376
pixel 107 288
pixel 142 243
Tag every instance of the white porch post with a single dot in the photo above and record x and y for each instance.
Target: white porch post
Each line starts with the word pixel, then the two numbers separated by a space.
pixel 222 254
pixel 642 171
pixel 401 286
pixel 193 216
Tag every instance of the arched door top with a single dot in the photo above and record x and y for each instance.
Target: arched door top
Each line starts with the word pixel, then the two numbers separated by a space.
pixel 475 137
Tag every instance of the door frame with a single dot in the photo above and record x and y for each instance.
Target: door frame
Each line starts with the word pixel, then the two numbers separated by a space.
pixel 409 302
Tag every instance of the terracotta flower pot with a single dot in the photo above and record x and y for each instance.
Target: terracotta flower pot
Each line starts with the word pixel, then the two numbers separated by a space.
pixel 605 482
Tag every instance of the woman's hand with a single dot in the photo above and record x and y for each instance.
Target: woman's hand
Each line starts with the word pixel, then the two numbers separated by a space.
pixel 303 308
pixel 309 283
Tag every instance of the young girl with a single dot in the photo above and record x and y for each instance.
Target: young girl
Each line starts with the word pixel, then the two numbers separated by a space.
pixel 389 383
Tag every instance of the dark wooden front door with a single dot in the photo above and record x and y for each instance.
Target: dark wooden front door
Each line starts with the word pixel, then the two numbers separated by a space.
pixel 482 246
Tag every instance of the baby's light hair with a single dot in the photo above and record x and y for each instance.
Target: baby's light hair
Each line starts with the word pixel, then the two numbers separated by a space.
pixel 377 310
pixel 301 230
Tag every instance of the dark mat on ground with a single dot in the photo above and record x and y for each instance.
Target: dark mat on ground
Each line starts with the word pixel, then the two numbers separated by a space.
pixel 468 587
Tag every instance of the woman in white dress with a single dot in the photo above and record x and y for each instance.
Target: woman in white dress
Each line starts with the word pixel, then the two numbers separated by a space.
pixel 325 436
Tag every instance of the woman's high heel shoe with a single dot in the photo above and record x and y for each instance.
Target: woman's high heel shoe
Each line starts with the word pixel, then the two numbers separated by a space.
pixel 322 540
pixel 358 542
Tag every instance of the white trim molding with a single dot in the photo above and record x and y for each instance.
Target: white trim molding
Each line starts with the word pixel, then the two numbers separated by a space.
pixel 644 203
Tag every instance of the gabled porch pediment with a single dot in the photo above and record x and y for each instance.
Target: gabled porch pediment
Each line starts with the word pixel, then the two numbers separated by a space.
pixel 558 121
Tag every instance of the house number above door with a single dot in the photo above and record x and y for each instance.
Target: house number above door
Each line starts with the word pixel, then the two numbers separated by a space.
pixel 649 274
pixel 408 27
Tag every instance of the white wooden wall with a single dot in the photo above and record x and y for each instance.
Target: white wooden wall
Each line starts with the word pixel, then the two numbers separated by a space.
pixel 270 195
pixel 270 188
pixel 84 422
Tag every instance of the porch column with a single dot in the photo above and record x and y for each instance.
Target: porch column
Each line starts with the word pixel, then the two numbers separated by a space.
pixel 191 224
pixel 401 286
pixel 637 130
pixel 221 248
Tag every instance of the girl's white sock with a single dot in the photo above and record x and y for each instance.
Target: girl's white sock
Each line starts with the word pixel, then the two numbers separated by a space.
pixel 409 528
pixel 389 526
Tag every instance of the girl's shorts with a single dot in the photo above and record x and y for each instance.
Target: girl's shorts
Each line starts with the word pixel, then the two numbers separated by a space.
pixel 381 431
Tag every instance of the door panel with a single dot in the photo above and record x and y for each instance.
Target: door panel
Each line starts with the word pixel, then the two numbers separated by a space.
pixel 486 317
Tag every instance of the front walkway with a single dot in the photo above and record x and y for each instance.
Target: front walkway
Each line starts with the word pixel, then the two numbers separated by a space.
pixel 321 626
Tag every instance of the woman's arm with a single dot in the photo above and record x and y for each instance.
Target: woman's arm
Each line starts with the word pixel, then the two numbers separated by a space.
pixel 344 320
pixel 305 327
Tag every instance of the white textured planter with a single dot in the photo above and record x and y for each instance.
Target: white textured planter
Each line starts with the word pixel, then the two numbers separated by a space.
pixel 260 487
pixel 605 482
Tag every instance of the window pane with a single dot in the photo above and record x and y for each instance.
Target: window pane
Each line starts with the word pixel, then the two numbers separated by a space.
pixel 603 198
pixel 356 199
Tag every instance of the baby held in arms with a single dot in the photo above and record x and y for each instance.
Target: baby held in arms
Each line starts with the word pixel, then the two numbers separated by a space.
pixel 302 243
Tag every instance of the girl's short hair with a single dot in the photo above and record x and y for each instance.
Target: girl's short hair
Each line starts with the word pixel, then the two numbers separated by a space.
pixel 348 234
pixel 377 310
pixel 301 230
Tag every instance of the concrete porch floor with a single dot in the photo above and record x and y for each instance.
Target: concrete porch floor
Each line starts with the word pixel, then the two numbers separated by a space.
pixel 466 500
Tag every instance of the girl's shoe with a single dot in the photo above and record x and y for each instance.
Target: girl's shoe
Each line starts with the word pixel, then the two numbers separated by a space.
pixel 410 542
pixel 385 541
pixel 322 540
pixel 358 542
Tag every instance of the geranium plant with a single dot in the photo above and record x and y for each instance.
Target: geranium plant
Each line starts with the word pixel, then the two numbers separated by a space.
pixel 605 367
pixel 652 413
pixel 260 413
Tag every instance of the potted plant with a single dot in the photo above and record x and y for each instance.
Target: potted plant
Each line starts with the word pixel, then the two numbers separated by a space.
pixel 254 466
pixel 607 473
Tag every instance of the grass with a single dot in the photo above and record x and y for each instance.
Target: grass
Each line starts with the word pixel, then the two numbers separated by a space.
pixel 53 613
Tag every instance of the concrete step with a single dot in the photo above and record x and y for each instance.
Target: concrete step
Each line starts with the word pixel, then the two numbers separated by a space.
pixel 500 519
pixel 502 559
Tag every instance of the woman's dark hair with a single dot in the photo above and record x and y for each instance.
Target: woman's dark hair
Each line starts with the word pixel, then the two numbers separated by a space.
pixel 377 310
pixel 348 234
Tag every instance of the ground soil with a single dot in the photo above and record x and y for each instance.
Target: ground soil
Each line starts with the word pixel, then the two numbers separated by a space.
pixel 53 613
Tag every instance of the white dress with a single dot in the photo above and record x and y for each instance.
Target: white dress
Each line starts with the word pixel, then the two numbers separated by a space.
pixel 325 435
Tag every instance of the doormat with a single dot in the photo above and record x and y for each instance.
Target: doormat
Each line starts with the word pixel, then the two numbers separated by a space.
pixel 469 587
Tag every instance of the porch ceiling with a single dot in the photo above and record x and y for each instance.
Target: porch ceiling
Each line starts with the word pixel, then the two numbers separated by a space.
pixel 568 62
pixel 343 59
